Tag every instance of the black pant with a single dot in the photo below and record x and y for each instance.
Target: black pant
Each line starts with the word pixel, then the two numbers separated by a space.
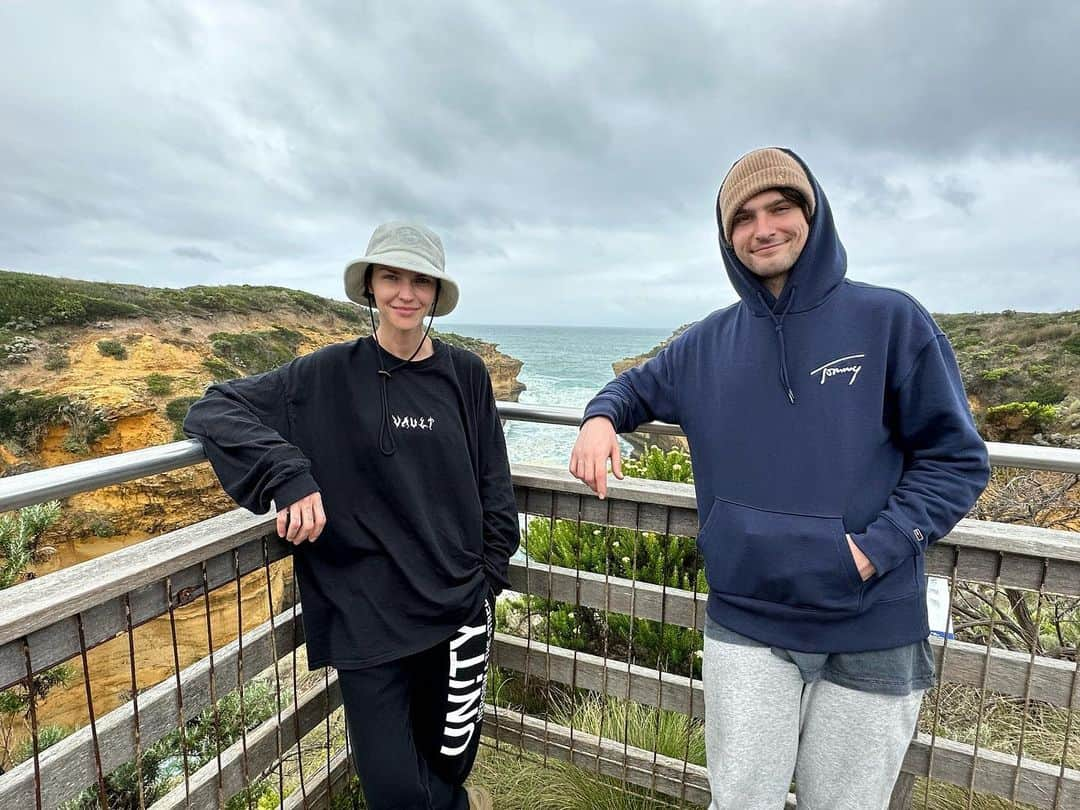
pixel 414 724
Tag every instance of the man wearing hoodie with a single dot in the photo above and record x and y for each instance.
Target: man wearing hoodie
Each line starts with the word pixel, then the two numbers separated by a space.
pixel 832 443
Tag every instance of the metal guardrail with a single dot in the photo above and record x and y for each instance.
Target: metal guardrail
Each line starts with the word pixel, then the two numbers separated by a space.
pixel 85 476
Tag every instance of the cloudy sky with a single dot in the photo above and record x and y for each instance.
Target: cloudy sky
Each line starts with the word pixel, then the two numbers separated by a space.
pixel 568 153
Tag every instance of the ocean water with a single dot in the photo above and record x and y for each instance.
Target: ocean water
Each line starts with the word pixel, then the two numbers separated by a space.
pixel 562 366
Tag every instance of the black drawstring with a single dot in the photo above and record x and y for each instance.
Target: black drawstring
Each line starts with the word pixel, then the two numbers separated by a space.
pixel 778 323
pixel 387 445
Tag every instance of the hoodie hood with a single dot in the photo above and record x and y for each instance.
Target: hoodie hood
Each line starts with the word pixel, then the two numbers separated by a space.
pixel 816 274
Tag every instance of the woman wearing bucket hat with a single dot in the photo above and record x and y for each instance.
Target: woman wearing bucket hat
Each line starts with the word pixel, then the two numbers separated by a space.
pixel 385 459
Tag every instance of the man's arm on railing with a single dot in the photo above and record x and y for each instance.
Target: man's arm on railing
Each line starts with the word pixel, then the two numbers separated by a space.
pixel 641 394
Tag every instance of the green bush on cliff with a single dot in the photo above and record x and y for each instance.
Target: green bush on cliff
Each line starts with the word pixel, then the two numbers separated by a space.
pixel 220 371
pixel 160 385
pixel 56 357
pixel 175 411
pixel 86 424
pixel 112 348
pixel 1047 392
pixel 256 352
pixel 1017 421
pixel 25 417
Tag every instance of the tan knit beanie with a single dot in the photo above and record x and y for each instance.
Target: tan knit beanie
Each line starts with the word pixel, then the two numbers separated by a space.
pixel 756 172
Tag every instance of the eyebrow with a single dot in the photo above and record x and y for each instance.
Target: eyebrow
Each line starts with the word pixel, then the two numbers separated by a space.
pixel 768 205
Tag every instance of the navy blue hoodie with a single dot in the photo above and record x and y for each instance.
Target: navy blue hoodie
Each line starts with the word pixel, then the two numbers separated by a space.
pixel 837 408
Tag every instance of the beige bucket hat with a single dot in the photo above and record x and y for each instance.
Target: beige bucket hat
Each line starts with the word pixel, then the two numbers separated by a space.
pixel 406 246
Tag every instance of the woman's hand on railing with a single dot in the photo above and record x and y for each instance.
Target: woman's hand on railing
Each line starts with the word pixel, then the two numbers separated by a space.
pixel 596 443
pixel 303 520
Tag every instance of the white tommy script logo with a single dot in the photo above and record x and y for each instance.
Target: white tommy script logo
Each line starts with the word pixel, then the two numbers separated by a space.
pixel 413 423
pixel 833 367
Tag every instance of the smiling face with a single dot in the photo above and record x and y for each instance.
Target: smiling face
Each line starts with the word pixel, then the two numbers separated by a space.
pixel 403 298
pixel 768 233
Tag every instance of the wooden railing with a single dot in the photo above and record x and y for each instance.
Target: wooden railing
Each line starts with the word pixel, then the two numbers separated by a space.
pixel 63 616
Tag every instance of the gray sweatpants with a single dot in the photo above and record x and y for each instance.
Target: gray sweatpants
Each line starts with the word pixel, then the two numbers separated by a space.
pixel 763 725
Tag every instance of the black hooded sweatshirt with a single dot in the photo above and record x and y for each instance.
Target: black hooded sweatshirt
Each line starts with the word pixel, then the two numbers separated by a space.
pixel 414 540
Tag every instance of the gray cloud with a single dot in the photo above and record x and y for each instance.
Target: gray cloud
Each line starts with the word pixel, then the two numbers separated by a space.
pixel 955 193
pixel 569 154
pixel 198 254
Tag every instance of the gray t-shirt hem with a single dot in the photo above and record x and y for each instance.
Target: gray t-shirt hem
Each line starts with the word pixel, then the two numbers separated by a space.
pixel 898 671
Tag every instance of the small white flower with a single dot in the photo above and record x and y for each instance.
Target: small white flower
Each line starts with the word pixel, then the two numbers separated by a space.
pixel 625 560
pixel 596 533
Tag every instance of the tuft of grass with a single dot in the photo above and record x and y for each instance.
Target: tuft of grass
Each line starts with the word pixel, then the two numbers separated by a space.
pixel 175 411
pixel 112 348
pixel 160 385
pixel 56 357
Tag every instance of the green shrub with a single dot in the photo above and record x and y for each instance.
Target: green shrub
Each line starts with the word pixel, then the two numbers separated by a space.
pixel 175 411
pixel 112 348
pixel 1017 421
pixel 1072 344
pixel 656 465
pixel 56 357
pixel 160 385
pixel 25 417
pixel 256 352
pixel 219 370
pixel 47 737
pixel 15 710
pixel 86 424
pixel 103 527
pixel 1047 392
pixel 20 538
pixel 997 374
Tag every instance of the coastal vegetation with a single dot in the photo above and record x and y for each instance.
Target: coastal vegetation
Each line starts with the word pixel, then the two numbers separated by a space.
pixel 31 302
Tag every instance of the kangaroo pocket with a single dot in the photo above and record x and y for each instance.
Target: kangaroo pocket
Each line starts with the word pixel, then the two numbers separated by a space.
pixel 797 560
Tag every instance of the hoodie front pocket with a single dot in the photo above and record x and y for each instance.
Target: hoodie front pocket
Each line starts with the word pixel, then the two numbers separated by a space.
pixel 797 560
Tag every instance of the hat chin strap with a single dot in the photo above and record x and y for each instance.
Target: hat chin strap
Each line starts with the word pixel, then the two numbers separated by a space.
pixel 387 444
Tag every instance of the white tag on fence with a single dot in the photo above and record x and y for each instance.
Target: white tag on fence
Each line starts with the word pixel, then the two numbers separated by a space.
pixel 938 600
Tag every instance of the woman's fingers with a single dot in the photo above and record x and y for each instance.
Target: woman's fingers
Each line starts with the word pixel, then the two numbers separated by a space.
pixel 320 517
pixel 307 515
pixel 295 523
pixel 303 520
